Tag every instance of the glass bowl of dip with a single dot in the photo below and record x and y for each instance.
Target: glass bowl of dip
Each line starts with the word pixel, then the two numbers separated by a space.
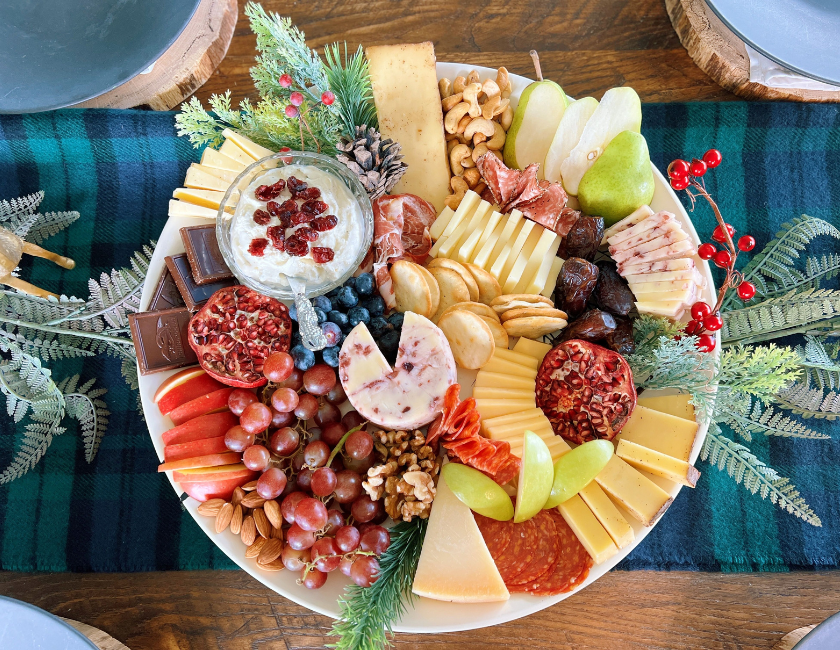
pixel 350 239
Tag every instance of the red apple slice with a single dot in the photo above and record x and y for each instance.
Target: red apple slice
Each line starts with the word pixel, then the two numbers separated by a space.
pixel 201 474
pixel 206 490
pixel 211 460
pixel 209 403
pixel 184 386
pixel 194 448
pixel 212 425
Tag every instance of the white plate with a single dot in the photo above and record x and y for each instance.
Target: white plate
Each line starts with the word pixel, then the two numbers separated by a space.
pixel 427 615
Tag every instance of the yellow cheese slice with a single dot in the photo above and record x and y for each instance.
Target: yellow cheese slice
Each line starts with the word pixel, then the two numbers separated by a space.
pixel 517 443
pixel 441 222
pixel 551 280
pixel 662 432
pixel 482 254
pixel 491 408
pixel 459 235
pixel 655 295
pixel 499 365
pixel 557 447
pixel 201 180
pixel 499 380
pixel 536 349
pixel 658 287
pixel 502 393
pixel 516 418
pixel 536 272
pixel 669 309
pixel 513 225
pixel 248 146
pixel 588 529
pixel 206 198
pixel 515 275
pixel 404 82
pixel 516 429
pixel 606 512
pixel 492 225
pixel 473 234
pixel 504 263
pixel 455 564
pixel 657 463
pixel 517 357
pixel 640 496
pixel 232 150
pixel 676 405
pixel 223 174
pixel 184 209
pixel 465 210
pixel 217 160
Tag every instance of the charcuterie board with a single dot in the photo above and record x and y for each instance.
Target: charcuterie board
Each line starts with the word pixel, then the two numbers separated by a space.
pixel 425 615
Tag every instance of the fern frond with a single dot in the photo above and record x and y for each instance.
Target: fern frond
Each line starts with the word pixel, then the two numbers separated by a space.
pixel 49 224
pixel 49 347
pixel 37 438
pixel 748 418
pixel 20 206
pixel 818 365
pixel 802 399
pixel 90 412
pixel 128 369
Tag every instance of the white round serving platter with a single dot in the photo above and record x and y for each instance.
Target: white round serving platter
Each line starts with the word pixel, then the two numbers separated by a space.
pixel 425 616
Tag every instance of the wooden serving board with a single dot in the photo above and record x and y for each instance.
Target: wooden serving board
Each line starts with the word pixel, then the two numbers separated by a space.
pixel 722 55
pixel 100 639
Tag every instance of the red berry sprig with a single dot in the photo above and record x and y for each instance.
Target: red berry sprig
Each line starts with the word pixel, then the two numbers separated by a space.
pixel 705 318
pixel 297 98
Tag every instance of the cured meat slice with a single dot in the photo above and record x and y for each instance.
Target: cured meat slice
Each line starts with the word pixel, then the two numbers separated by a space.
pixel 527 187
pixel 496 534
pixel 571 568
pixel 501 181
pixel 519 552
pixel 545 552
pixel 548 210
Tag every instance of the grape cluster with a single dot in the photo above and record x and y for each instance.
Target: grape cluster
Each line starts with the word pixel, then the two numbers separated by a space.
pixel 332 523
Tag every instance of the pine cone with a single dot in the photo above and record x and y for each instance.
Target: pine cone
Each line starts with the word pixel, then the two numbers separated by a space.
pixel 377 163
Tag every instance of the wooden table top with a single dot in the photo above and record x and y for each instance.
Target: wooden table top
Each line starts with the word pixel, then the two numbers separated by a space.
pixel 587 46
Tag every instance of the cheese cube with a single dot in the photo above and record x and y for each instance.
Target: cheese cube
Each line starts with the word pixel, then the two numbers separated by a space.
pixel 500 380
pixel 464 211
pixel 657 463
pixel 493 223
pixel 184 209
pixel 523 236
pixel 499 365
pixel 536 349
pixel 450 247
pixel 497 263
pixel 232 150
pixel 551 281
pixel 248 146
pixel 473 234
pixel 536 271
pixel 640 496
pixel 516 276
pixel 639 215
pixel 511 226
pixel 405 90
pixel 676 405
pixel 605 511
pixel 662 432
pixel 222 174
pixel 201 180
pixel 441 222
pixel 217 160
pixel 588 529
pixel 502 393
pixel 517 357
pixel 491 408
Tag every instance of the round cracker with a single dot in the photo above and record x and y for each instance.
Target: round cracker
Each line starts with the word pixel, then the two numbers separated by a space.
pixel 520 297
pixel 488 286
pixel 477 308
pixel 410 289
pixel 500 335
pixel 469 337
pixel 452 289
pixel 520 304
pixel 434 289
pixel 522 312
pixel 466 276
pixel 533 327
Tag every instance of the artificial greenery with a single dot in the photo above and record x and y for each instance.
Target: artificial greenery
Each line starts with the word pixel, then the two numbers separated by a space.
pixel 34 329
pixel 282 50
pixel 367 613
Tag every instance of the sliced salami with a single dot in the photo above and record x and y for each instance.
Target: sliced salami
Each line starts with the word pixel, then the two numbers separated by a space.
pixel 496 534
pixel 519 552
pixel 571 568
pixel 546 550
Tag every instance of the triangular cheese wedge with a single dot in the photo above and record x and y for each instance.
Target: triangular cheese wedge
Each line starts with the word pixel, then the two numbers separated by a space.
pixel 248 146
pixel 455 564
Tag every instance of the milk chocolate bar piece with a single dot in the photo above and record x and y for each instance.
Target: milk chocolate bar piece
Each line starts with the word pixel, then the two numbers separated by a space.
pixel 194 295
pixel 166 295
pixel 203 253
pixel 161 339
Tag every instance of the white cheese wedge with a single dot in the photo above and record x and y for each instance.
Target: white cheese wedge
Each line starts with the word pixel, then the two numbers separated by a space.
pixel 536 349
pixel 640 496
pixel 683 295
pixel 660 431
pixel 551 281
pixel 484 392
pixel 606 512
pixel 676 405
pixel 492 408
pixel 517 276
pixel 657 463
pixel 649 265
pixel 217 160
pixel 620 254
pixel 441 222
pixel 503 366
pixel 665 229
pixel 409 395
pixel 501 271
pixel 644 226
pixel 639 288
pixel 588 529
pixel 666 276
pixel 223 174
pixel 465 210
pixel 496 218
pixel 672 309
pixel 201 180
pixel 538 280
pixel 517 357
pixel 248 146
pixel 455 564
pixel 184 209
pixel 678 249
pixel 450 247
pixel 232 150
pixel 635 217
pixel 498 380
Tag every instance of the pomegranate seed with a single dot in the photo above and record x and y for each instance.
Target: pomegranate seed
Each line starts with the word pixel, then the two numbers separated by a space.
pixel 706 251
pixel 713 323
pixel 285 80
pixel 718 235
pixel 706 343
pixel 322 255
pixel 261 217
pixel 697 168
pixel 679 183
pixel 712 158
pixel 722 259
pixel 296 247
pixel 257 246
pixel 296 98
pixel 306 233
pixel 277 235
pixel 322 224
pixel 746 243
pixel 699 310
pixel 746 290
pixel 291 111
pixel 327 98
pixel 678 169
pixel 692 327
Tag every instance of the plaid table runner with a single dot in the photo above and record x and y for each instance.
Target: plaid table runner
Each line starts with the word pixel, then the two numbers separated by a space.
pixel 118 169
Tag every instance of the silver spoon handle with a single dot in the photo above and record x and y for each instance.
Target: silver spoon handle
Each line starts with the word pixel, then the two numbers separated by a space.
pixel 310 330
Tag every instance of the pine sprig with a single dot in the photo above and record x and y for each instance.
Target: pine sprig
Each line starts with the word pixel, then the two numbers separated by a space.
pixel 349 79
pixel 367 613
pixel 757 371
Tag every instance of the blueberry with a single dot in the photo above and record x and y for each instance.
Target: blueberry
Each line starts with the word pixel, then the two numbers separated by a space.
pixel 338 317
pixel 332 332
pixel 321 315
pixel 365 284
pixel 296 339
pixel 331 355
pixel 358 315
pixel 322 302
pixel 304 359
pixel 375 305
pixel 332 294
pixel 350 282
pixel 390 343
pixel 378 326
pixel 347 298
pixel 293 312
pixel 396 319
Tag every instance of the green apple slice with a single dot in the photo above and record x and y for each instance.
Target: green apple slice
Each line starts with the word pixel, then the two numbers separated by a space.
pixel 535 478
pixel 477 491
pixel 568 134
pixel 575 469
pixel 619 110
pixel 535 121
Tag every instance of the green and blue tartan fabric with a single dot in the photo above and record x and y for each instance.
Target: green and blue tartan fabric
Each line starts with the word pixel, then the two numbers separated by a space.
pixel 118 169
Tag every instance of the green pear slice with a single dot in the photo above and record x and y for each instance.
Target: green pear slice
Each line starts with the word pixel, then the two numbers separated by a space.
pixel 568 134
pixel 535 121
pixel 619 110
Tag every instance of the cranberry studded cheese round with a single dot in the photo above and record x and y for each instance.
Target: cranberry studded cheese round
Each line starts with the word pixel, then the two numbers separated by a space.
pixel 410 394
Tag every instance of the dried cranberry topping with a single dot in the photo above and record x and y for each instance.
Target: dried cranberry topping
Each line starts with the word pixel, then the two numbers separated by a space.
pixel 261 217
pixel 277 235
pixel 273 208
pixel 322 254
pixel 301 217
pixel 314 207
pixel 257 247
pixel 327 222
pixel 289 205
pixel 309 193
pixel 296 247
pixel 296 185
pixel 268 192
pixel 306 233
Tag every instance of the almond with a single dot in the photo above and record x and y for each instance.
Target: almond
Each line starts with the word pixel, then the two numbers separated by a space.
pixel 252 500
pixel 211 508
pixel 272 511
pixel 254 549
pixel 238 495
pixel 224 517
pixel 270 551
pixel 263 527
pixel 276 533
pixel 277 565
pixel 249 531
pixel 250 487
pixel 236 520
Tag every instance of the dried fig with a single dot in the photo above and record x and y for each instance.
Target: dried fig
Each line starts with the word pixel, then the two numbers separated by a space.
pixel 621 339
pixel 594 325
pixel 611 292
pixel 584 239
pixel 577 282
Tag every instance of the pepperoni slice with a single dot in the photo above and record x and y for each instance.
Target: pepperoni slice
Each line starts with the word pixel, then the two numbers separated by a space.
pixel 496 534
pixel 519 552
pixel 571 568
pixel 546 551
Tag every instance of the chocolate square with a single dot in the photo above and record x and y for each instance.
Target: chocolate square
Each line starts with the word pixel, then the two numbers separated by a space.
pixel 161 339
pixel 194 295
pixel 166 295
pixel 204 255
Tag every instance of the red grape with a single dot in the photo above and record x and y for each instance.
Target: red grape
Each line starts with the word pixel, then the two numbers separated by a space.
pixel 352 419
pixel 238 439
pixel 327 413
pixel 358 445
pixel 315 579
pixel 319 379
pixel 304 479
pixel 294 380
pixel 307 407
pixel 239 399
pixel 323 482
pixel 310 514
pixel 360 466
pixel 271 483
pixel 326 555
pixel 295 560
pixel 256 457
pixel 365 570
pixel 287 508
pixel 298 538
pixel 337 463
pixel 332 433
pixel 376 539
pixel 364 509
pixel 255 418
pixel 284 442
pixel 285 400
pixel 278 366
pixel 347 539
pixel 335 520
pixel 336 395
pixel 348 486
pixel 346 565
pixel 279 419
pixel 316 453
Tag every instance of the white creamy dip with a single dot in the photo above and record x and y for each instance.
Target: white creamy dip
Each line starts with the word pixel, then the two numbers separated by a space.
pixel 345 239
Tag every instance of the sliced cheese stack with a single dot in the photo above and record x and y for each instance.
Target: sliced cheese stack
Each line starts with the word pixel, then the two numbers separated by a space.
pixel 654 254
pixel 519 253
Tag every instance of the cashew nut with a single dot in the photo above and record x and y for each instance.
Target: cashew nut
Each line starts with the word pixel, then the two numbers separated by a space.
pixel 507 118
pixel 490 88
pixel 454 116
pixel 450 145
pixel 472 176
pixel 471 95
pixel 462 125
pixel 445 88
pixel 480 125
pixel 479 151
pixel 448 103
pixel 459 154
pixel 458 84
pixel 498 139
pixel 479 138
pixel 506 93
pixel 478 189
pixel 502 78
pixel 472 77
pixel 459 187
pixel 489 107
